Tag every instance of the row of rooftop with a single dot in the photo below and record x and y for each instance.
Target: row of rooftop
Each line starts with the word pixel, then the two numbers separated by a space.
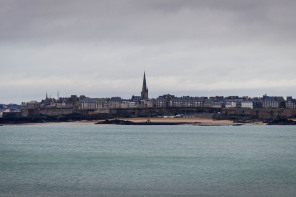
pixel 164 101
pixel 143 101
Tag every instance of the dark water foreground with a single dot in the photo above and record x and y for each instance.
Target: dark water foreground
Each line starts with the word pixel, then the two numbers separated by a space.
pixel 116 160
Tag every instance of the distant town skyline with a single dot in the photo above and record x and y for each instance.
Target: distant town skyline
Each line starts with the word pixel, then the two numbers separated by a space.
pixel 101 48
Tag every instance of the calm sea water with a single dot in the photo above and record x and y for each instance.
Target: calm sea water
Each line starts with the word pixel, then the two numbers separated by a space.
pixel 110 160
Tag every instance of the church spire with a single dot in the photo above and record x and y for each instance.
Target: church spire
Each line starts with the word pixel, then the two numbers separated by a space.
pixel 144 93
pixel 144 88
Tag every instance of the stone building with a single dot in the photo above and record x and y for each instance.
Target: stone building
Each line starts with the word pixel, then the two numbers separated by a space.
pixel 290 103
pixel 186 101
pixel 31 105
pixel 115 102
pixel 94 103
pixel 88 103
pixel 161 102
pixel 273 102
pixel 247 104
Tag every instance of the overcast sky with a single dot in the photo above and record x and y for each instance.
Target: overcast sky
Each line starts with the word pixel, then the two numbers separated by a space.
pixel 187 47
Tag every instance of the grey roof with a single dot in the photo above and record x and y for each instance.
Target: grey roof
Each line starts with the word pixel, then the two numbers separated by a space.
pixel 88 100
pixel 136 98
pixel 115 99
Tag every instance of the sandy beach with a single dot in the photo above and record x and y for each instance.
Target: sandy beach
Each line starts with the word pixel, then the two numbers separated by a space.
pixel 195 121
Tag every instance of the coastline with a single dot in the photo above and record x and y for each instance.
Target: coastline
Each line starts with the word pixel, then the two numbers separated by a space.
pixel 197 121
pixel 177 121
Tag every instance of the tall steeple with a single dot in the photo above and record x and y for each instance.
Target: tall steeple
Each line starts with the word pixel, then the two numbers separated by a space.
pixel 144 93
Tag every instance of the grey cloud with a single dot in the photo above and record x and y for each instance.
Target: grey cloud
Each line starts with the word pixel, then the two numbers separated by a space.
pixel 104 46
pixel 144 21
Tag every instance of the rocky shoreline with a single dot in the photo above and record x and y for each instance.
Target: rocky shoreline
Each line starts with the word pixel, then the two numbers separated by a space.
pixel 126 122
pixel 165 122
pixel 282 121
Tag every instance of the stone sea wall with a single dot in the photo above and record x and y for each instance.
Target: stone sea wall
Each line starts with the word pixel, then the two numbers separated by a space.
pixel 260 113
pixel 230 113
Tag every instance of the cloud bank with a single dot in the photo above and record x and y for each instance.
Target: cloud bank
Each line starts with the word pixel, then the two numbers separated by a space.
pixel 191 47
